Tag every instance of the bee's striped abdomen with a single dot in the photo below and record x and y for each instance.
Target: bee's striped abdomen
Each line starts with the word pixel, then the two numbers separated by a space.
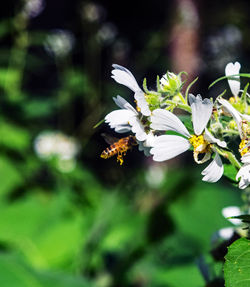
pixel 109 151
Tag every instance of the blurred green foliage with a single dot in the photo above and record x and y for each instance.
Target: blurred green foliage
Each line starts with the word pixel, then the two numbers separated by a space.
pixel 98 224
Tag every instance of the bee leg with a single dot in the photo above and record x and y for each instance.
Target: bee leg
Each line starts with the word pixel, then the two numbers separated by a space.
pixel 120 158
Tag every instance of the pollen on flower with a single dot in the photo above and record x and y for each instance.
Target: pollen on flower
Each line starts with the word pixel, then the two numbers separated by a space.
pixel 245 128
pixel 233 100
pixel 137 108
pixel 242 147
pixel 200 144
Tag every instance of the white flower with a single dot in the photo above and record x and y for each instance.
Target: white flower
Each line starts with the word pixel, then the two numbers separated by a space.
pixel 244 172
pixel 59 42
pixel 226 233
pixel 33 8
pixel 232 211
pixel 168 146
pixel 123 76
pixel 51 144
pixel 155 175
pixel 237 116
pixel 146 145
pixel 126 119
pixel 234 84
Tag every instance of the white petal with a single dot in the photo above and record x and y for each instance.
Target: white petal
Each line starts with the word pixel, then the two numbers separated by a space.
pixel 142 103
pixel 233 69
pixel 119 120
pixel 164 120
pixel 244 174
pixel 123 76
pixel 201 112
pixel 230 211
pixel 138 129
pixel 122 128
pixel 226 233
pixel 246 158
pixel 145 149
pixel 246 117
pixel 235 114
pixel 169 146
pixel 214 171
pixel 123 104
pixel 150 140
pixel 147 144
pixel 211 139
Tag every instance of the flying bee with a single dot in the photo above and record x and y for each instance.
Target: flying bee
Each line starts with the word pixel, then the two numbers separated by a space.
pixel 118 147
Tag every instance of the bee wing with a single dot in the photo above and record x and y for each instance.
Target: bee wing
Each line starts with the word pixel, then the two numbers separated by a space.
pixel 109 139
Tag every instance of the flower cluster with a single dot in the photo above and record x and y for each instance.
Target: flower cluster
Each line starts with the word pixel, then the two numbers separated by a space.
pixel 51 145
pixel 208 130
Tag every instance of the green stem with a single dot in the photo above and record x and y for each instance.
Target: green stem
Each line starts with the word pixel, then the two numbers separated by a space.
pixel 184 107
pixel 230 156
pixel 182 98
pixel 230 132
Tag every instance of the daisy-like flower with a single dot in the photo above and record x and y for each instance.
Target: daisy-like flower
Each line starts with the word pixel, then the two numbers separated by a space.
pixel 126 119
pixel 123 76
pixel 234 84
pixel 244 146
pixel 244 172
pixel 168 146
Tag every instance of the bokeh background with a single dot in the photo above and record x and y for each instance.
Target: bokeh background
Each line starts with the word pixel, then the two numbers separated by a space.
pixel 70 218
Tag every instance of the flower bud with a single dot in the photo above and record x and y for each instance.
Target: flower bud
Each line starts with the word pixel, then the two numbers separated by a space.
pixel 171 83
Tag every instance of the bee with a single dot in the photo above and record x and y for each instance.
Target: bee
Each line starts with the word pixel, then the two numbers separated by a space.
pixel 118 147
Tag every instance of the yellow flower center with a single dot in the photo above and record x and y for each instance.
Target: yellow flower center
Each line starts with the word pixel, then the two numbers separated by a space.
pixel 200 144
pixel 245 128
pixel 242 147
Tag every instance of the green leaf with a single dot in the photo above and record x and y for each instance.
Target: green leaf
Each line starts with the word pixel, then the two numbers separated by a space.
pixel 187 121
pixel 184 275
pixel 10 176
pixel 43 234
pixel 193 209
pixel 230 172
pixel 15 273
pixel 14 137
pixel 237 266
pixel 244 94
pixel 38 108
